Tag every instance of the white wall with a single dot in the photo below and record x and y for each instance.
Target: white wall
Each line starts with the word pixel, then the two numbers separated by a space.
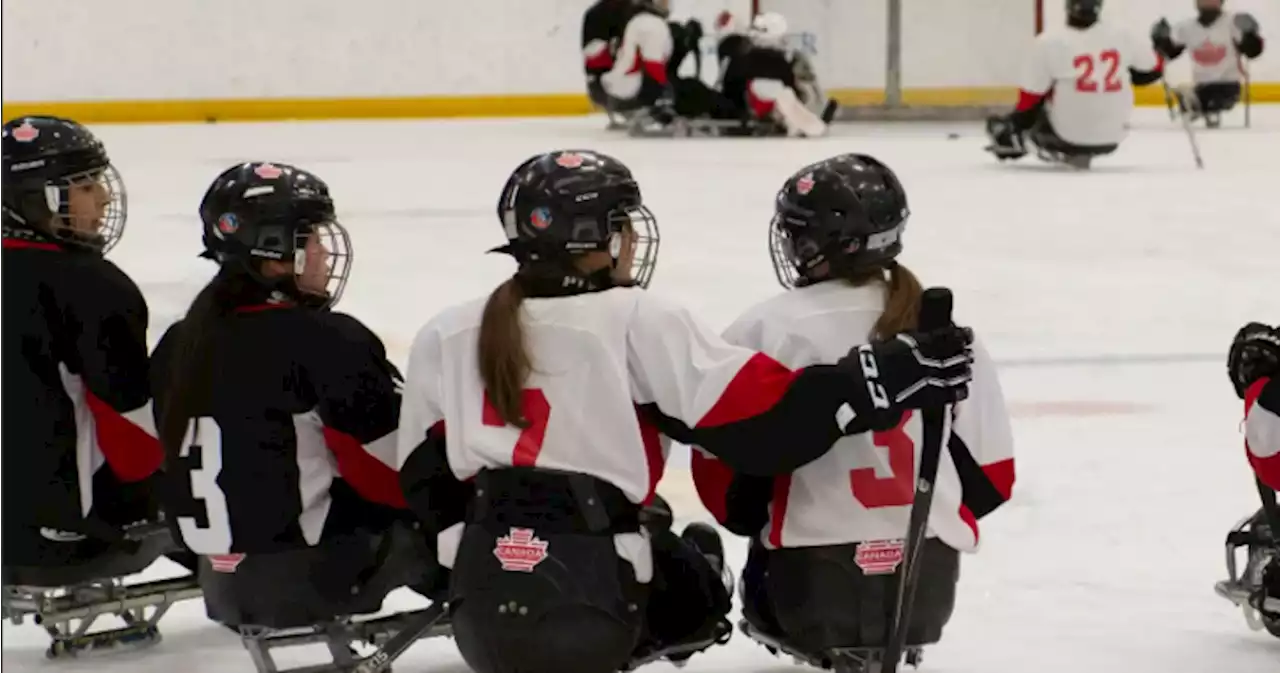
pixel 191 49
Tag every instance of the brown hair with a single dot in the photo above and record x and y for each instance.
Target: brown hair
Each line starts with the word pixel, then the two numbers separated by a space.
pixel 902 306
pixel 504 357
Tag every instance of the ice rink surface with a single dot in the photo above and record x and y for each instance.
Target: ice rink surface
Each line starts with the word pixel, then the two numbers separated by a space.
pixel 1109 297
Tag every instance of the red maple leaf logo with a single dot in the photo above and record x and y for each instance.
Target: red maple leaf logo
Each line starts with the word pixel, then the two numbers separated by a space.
pixel 520 551
pixel 1209 53
pixel 268 171
pixel 26 133
pixel 805 184
pixel 570 160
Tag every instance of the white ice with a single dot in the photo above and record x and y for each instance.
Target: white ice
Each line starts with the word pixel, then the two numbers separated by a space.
pixel 1109 296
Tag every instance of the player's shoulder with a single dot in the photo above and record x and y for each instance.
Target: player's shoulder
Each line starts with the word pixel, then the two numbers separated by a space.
pixel 98 283
pixel 451 321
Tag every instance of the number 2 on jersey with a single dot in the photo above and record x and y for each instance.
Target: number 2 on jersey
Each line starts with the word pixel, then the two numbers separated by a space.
pixel 898 489
pixel 1086 83
pixel 536 411
pixel 205 440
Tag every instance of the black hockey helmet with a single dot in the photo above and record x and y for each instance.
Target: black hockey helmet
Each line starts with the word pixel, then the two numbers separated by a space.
pixel 1083 12
pixel 566 203
pixel 836 217
pixel 59 182
pixel 257 211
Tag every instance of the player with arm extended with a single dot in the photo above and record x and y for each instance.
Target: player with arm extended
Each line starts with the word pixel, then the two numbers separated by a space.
pixel 1076 95
pixel 602 27
pixel 1253 364
pixel 80 447
pixel 1219 42
pixel 552 397
pixel 278 416
pixel 771 83
pixel 826 538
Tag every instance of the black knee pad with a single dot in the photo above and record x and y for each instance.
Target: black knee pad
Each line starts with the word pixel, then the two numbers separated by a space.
pixel 823 600
pixel 1218 96
pixel 537 602
pixel 688 597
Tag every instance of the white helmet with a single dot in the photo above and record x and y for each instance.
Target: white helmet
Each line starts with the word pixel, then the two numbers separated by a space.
pixel 769 29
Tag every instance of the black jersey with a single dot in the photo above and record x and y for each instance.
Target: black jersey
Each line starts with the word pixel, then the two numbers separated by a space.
pixel 744 62
pixel 602 25
pixel 77 428
pixel 295 440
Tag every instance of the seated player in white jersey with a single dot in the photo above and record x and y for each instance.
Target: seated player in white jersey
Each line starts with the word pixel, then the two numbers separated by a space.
pixel 1076 97
pixel 1219 43
pixel 632 56
pixel 551 398
pixel 773 85
pixel 827 538
pixel 1254 367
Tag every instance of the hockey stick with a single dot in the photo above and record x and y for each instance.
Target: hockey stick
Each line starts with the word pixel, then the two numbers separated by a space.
pixel 1186 127
pixel 381 660
pixel 935 312
pixel 1168 98
pixel 1248 95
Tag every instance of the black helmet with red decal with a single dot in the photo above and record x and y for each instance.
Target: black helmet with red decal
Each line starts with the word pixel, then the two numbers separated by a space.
pixel 60 184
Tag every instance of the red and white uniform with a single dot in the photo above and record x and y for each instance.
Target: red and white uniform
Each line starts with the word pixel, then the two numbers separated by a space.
pixel 645 48
pixel 598 358
pixel 1214 57
pixel 1262 429
pixel 1083 75
pixel 862 489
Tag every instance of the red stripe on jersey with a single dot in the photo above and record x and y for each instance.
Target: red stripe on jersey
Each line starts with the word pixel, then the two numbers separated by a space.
pixel 1001 475
pixel 258 308
pixel 711 479
pixel 132 454
pixel 657 71
pixel 757 386
pixel 601 61
pixel 19 244
pixel 653 457
pixel 370 477
pixel 1028 100
pixel 1268 469
pixel 778 509
pixel 759 107
pixel 970 520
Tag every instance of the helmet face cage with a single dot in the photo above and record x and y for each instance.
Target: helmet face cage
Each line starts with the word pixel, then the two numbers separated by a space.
pixel 332 236
pixel 109 227
pixel 782 252
pixel 642 227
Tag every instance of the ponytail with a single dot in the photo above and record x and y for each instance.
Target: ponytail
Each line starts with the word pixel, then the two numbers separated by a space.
pixel 902 303
pixel 186 393
pixel 504 357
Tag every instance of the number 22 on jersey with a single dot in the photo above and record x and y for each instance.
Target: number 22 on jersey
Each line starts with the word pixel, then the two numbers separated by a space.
pixel 898 489
pixel 1086 64
pixel 205 441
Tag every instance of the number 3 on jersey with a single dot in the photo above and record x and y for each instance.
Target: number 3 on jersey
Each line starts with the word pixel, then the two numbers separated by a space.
pixel 1085 64
pixel 205 440
pixel 536 411
pixel 898 489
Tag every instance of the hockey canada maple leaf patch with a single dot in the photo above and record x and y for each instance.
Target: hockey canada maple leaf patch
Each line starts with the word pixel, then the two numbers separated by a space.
pixel 570 160
pixel 225 563
pixel 520 551
pixel 268 171
pixel 879 557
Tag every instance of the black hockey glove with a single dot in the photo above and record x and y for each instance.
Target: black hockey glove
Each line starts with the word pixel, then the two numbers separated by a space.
pixel 1006 140
pixel 913 370
pixel 1161 31
pixel 1255 354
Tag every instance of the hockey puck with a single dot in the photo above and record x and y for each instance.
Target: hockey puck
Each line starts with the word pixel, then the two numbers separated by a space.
pixel 953 136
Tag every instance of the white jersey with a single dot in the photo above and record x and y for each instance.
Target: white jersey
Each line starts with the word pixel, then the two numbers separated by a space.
pixel 1262 430
pixel 1085 74
pixel 861 490
pixel 1212 48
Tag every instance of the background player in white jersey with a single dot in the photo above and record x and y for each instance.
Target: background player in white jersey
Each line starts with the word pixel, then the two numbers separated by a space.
pixel 1253 364
pixel 771 83
pixel 1219 43
pixel 827 538
pixel 551 396
pixel 1076 94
